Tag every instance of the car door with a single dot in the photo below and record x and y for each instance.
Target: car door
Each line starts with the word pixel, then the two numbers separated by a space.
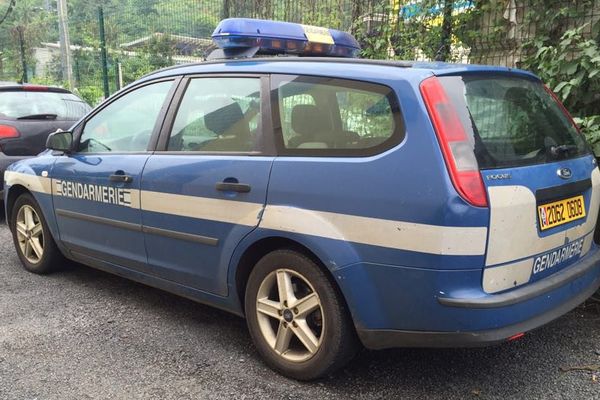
pixel 96 187
pixel 207 188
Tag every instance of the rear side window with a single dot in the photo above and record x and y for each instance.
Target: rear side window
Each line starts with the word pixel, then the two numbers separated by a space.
pixel 334 117
pixel 513 121
pixel 31 105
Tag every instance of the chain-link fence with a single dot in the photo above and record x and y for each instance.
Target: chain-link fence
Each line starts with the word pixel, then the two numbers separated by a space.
pixel 142 35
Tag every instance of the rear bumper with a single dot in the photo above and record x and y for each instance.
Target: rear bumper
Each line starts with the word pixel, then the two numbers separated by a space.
pixel 529 291
pixel 382 339
pixel 407 307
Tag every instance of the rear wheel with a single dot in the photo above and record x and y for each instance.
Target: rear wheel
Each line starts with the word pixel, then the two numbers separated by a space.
pixel 296 317
pixel 32 238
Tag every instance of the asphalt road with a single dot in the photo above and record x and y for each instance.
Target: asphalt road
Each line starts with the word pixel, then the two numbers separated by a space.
pixel 85 334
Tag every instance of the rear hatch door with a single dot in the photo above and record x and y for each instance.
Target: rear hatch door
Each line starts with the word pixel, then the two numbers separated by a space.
pixel 35 112
pixel 541 178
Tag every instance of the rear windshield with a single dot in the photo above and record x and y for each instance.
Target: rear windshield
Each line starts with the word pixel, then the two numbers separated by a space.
pixel 65 106
pixel 513 121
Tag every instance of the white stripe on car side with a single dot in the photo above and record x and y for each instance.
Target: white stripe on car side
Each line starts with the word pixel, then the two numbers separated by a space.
pixel 432 239
pixel 373 231
pixel 229 211
pixel 34 183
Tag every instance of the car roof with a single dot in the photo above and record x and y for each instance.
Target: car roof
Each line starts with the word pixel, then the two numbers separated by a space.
pixel 330 66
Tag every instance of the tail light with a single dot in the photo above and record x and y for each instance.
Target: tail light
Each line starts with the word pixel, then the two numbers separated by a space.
pixel 455 144
pixel 35 88
pixel 7 132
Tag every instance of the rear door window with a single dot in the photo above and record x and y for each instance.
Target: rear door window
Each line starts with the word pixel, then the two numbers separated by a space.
pixel 218 115
pixel 32 105
pixel 334 117
pixel 513 121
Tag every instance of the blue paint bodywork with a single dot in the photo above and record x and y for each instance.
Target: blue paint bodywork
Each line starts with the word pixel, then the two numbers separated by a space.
pixel 200 267
pixel 124 245
pixel 384 288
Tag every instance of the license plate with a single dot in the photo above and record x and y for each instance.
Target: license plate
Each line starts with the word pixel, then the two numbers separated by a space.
pixel 561 212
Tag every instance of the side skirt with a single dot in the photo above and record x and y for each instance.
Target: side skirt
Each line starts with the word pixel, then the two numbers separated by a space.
pixel 196 295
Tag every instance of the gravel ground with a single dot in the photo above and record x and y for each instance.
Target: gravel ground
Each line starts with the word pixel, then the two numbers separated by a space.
pixel 85 334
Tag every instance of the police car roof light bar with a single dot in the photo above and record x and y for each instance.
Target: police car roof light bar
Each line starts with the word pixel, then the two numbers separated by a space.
pixel 275 38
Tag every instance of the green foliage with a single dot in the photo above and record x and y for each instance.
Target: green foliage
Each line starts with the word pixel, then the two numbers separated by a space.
pixel 568 60
pixel 571 68
pixel 90 94
pixel 383 35
pixel 48 81
pixel 32 21
pixel 386 33
pixel 199 20
pixel 322 15
pixel 374 40
pixel 590 126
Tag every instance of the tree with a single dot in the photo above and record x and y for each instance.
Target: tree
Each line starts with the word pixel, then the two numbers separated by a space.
pixel 24 29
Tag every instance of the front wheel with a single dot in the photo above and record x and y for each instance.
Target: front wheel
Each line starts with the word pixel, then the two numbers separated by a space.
pixel 33 241
pixel 296 317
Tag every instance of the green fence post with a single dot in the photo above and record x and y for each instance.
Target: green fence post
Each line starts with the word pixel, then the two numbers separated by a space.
pixel 77 71
pixel 446 36
pixel 225 10
pixel 103 52
pixel 20 29
pixel 117 80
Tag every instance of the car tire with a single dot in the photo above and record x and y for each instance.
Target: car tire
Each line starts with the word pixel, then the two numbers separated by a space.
pixel 297 318
pixel 32 238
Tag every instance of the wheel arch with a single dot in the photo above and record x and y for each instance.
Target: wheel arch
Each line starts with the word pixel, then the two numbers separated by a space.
pixel 44 202
pixel 13 194
pixel 256 249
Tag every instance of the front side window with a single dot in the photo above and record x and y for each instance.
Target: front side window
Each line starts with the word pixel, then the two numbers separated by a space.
pixel 327 116
pixel 126 124
pixel 218 115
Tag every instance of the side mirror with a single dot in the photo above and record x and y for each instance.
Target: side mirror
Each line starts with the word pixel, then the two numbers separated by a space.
pixel 60 141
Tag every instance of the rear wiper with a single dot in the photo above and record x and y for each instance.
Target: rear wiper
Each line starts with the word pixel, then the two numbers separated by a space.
pixel 39 116
pixel 563 148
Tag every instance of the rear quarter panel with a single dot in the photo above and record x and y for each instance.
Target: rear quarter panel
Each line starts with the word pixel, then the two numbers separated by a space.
pixel 398 207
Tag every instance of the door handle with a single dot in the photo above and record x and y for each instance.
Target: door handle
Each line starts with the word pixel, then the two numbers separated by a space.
pixel 122 178
pixel 233 187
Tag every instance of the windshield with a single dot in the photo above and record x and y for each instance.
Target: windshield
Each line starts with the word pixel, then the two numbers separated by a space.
pixel 512 121
pixel 22 104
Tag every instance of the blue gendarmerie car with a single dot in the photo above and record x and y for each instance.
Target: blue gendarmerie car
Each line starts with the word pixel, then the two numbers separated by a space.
pixel 330 200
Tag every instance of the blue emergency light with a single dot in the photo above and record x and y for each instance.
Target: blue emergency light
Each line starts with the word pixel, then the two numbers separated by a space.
pixel 245 37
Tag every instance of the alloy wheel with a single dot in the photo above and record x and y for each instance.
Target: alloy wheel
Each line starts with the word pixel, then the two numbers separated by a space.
pixel 290 315
pixel 30 234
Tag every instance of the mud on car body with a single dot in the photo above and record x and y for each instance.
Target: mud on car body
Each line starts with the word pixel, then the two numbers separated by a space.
pixel 331 201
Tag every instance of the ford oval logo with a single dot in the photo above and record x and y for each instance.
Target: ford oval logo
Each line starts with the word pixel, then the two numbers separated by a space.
pixel 564 173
